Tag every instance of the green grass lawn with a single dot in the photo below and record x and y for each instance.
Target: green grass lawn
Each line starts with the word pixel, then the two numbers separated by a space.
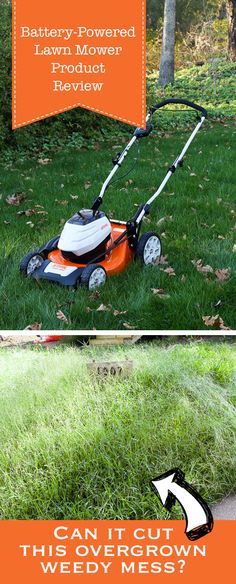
pixel 195 217
pixel 72 447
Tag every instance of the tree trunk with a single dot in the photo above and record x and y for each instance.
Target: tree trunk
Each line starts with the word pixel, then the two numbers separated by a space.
pixel 166 74
pixel 231 7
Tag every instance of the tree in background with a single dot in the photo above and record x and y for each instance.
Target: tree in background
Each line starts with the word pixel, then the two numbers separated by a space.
pixel 166 74
pixel 231 8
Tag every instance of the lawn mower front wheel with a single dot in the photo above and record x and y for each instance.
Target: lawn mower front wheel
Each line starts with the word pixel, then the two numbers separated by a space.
pixel 148 249
pixel 93 276
pixel 31 262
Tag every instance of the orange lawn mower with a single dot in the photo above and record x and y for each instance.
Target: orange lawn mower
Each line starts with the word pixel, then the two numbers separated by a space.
pixel 91 247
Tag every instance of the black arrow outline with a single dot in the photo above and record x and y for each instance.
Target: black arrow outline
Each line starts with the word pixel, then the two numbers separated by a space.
pixel 179 478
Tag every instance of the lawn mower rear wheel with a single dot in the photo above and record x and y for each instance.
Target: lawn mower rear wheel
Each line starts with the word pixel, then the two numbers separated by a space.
pixel 148 249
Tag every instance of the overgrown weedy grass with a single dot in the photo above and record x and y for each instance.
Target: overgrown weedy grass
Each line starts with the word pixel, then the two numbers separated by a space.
pixel 195 218
pixel 74 447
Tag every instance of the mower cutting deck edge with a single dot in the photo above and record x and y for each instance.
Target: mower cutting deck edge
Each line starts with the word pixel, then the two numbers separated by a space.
pixel 91 247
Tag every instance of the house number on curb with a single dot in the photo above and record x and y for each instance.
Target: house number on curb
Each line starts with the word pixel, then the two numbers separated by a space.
pixel 115 369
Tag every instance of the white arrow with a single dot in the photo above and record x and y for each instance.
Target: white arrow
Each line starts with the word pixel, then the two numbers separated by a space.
pixel 171 486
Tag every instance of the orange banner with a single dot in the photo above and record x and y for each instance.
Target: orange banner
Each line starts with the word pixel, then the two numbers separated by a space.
pixel 114 551
pixel 88 54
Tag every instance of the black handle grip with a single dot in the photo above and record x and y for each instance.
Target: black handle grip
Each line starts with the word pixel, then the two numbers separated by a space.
pixel 191 104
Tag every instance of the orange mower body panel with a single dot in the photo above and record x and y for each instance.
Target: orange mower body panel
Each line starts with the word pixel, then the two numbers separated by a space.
pixel 115 261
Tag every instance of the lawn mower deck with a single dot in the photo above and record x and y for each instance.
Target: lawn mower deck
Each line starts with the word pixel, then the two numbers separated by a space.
pixel 58 269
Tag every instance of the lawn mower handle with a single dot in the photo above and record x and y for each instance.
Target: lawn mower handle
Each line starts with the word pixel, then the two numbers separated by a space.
pixel 191 104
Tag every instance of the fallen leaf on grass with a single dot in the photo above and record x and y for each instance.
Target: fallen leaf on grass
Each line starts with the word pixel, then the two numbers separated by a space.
pixel 30 224
pixel 234 248
pixel 167 218
pixel 74 197
pixel 36 326
pixel 128 326
pixel 44 161
pixel 15 199
pixel 28 212
pixel 160 293
pixel 201 268
pixel 118 312
pixel 104 308
pixel 87 185
pixel 61 316
pixel 223 274
pixel 162 260
pixel 170 271
pixel 215 321
pixel 6 222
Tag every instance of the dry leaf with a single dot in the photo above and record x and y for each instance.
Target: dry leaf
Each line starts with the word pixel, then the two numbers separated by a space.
pixel 61 316
pixel 162 260
pixel 128 325
pixel 87 185
pixel 36 326
pixel 201 268
pixel 118 312
pixel 104 308
pixel 74 196
pixel 215 321
pixel 15 199
pixel 44 160
pixel 6 222
pixel 170 271
pixel 28 212
pixel 223 274
pixel 160 293
pixel 234 248
pixel 161 220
